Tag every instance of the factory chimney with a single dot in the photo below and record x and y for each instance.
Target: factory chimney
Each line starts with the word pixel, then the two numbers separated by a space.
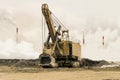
pixel 103 40
pixel 17 35
pixel 83 39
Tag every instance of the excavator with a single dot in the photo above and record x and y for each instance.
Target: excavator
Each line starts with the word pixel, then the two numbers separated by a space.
pixel 58 50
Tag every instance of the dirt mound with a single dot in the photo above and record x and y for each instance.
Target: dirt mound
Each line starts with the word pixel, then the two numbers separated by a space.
pixel 8 62
pixel 89 62
pixel 34 62
pixel 26 63
pixel 19 62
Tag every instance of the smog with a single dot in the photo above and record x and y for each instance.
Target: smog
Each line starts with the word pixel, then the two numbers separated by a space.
pixel 99 22
pixel 9 47
pixel 60 39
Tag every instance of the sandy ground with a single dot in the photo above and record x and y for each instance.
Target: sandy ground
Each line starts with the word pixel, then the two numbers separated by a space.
pixel 8 73
pixel 66 75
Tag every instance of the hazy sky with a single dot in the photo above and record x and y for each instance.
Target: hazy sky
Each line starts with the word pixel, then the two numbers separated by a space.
pixel 95 17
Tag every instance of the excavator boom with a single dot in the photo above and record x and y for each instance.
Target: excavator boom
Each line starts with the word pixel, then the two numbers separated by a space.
pixel 47 15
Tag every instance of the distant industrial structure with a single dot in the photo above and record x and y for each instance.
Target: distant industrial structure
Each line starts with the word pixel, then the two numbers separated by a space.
pixel 17 33
pixel 103 40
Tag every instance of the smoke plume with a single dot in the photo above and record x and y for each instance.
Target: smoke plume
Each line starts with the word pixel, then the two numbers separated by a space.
pixel 9 48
